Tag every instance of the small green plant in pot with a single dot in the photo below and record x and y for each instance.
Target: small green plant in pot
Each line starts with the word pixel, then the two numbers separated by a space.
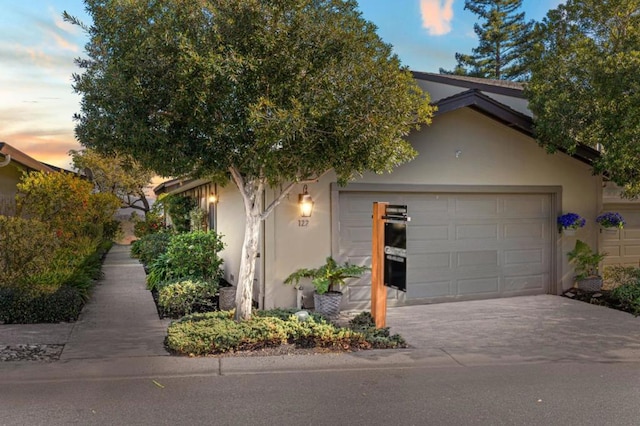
pixel 586 263
pixel 327 281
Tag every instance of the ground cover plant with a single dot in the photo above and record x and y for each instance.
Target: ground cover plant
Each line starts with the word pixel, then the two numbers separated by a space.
pixel 621 290
pixel 216 333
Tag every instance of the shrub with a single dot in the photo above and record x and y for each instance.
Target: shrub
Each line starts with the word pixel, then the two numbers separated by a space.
pixel 217 332
pixel 380 338
pixel 179 208
pixel 26 249
pixel 151 223
pixel 184 297
pixel 616 276
pixel 19 306
pixel 628 296
pixel 198 219
pixel 148 248
pixel 159 272
pixel 195 255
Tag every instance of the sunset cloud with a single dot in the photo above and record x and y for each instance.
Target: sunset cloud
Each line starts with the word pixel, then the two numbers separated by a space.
pixel 437 16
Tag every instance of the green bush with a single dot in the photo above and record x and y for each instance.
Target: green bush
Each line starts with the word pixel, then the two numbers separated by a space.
pixel 151 223
pixel 19 306
pixel 179 208
pixel 195 255
pixel 184 297
pixel 148 248
pixel 628 295
pixel 26 249
pixel 616 276
pixel 159 272
pixel 217 332
pixel 380 338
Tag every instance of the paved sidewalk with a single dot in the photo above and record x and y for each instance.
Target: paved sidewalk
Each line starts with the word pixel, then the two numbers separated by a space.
pixel 120 320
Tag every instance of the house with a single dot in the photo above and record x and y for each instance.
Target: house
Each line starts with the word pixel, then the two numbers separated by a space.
pixel 13 163
pixel 482 195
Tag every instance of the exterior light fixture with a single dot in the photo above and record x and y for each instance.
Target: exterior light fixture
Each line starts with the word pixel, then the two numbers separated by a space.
pixel 213 198
pixel 305 202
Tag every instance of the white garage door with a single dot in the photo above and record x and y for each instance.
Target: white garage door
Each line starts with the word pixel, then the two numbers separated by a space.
pixel 459 246
pixel 623 246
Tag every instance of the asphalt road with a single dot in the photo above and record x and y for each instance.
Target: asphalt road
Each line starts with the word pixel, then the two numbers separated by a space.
pixel 525 394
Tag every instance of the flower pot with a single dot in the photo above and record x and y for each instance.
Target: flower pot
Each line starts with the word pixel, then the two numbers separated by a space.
pixel 569 232
pixel 590 284
pixel 328 304
pixel 227 299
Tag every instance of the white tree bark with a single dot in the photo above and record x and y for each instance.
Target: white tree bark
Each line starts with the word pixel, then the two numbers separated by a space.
pixel 253 195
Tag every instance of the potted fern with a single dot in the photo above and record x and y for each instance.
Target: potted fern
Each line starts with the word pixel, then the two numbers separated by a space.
pixel 586 266
pixel 327 281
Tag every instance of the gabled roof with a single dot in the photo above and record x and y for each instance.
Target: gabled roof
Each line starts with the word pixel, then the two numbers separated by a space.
pixel 502 87
pixel 21 158
pixel 498 111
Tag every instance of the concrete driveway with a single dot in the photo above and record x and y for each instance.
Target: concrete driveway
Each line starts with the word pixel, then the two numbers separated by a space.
pixel 519 329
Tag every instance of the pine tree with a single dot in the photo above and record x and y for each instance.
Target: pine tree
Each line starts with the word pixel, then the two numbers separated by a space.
pixel 505 38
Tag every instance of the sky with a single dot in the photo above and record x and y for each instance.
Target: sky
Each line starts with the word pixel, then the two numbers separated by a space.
pixel 37 52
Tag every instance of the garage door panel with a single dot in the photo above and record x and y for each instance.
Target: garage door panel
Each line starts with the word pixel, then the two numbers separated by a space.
pixel 427 232
pixel 519 257
pixel 476 258
pixel 432 289
pixel 534 231
pixel 430 260
pixel 527 282
pixel 459 245
pixel 429 205
pixel 526 207
pixel 632 250
pixel 475 207
pixel 478 286
pixel 477 232
pixel 630 234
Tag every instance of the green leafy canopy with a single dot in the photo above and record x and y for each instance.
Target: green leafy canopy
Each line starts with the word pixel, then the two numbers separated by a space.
pixel 585 85
pixel 279 90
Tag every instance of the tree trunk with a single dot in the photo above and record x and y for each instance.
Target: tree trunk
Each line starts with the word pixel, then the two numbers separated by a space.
pixel 244 291
pixel 252 191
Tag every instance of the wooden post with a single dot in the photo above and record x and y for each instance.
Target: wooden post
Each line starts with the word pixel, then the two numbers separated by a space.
pixel 378 290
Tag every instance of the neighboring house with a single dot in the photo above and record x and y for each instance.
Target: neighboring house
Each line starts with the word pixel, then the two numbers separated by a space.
pixel 13 163
pixel 482 195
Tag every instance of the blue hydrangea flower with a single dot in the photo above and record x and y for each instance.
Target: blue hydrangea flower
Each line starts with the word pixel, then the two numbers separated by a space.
pixel 611 220
pixel 571 221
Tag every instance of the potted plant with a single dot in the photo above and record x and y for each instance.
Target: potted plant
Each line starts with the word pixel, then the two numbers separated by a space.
pixel 586 263
pixel 327 280
pixel 569 222
pixel 611 221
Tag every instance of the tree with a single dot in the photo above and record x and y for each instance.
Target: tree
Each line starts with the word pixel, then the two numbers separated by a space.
pixel 504 39
pixel 116 174
pixel 585 86
pixel 262 92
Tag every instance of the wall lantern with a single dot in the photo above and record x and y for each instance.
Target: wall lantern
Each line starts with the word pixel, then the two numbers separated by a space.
pixel 305 202
pixel 213 198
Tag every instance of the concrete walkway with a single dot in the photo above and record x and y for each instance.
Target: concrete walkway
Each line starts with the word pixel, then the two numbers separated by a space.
pixel 119 335
pixel 120 320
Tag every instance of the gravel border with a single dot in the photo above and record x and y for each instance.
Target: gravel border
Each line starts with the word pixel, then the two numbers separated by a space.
pixel 33 352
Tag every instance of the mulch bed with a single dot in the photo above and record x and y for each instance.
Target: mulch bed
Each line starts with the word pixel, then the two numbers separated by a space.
pixel 602 298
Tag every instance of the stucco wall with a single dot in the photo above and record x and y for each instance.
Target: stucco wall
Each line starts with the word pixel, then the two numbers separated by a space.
pixel 230 218
pixel 490 154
